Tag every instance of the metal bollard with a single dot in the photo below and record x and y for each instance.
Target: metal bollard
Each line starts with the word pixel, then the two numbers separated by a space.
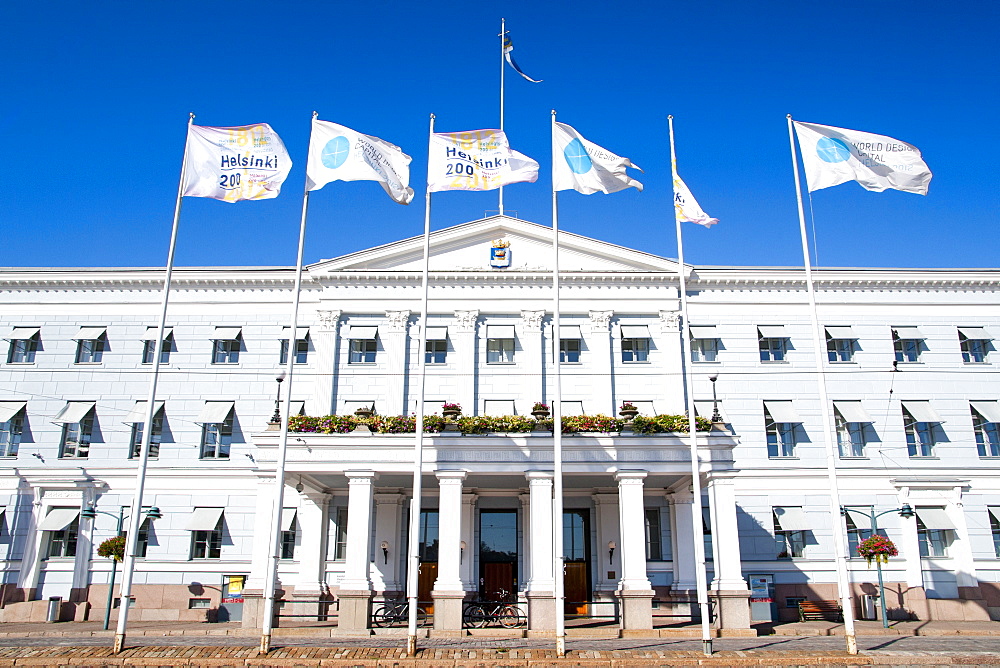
pixel 55 603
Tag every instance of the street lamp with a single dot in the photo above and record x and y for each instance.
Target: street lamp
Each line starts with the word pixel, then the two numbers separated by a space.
pixel 276 418
pixel 90 513
pixel 715 401
pixel 906 512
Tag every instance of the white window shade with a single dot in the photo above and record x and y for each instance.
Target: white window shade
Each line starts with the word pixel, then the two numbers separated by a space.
pixel 635 332
pixel 88 333
pixel 8 409
pixel 995 512
pixel 58 519
pixel 288 518
pixel 908 333
pixel 572 408
pixel 988 409
pixel 152 333
pixel 73 411
pixel 363 332
pixel 300 333
pixel 974 333
pixel 570 332
pixel 215 412
pixel 703 332
pixel 792 519
pixel 298 408
pixel 204 519
pixel 935 518
pixel 437 333
pixel 500 332
pixel 23 333
pixel 771 331
pixel 860 518
pixel 782 411
pixel 704 409
pixel 840 332
pixel 852 411
pixel 138 412
pixel 921 411
pixel 227 333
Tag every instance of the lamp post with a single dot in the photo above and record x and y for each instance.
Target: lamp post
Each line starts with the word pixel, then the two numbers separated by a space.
pixel 276 418
pixel 91 513
pixel 905 511
pixel 716 418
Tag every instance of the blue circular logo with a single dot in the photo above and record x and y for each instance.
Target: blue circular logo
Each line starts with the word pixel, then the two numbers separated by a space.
pixel 335 152
pixel 830 149
pixel 577 158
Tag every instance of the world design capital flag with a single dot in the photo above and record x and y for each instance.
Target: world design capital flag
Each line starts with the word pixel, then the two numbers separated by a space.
pixel 832 156
pixel 686 207
pixel 338 153
pixel 476 160
pixel 232 164
pixel 584 166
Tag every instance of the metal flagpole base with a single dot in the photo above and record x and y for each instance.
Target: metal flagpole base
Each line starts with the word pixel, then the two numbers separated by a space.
pixel 561 646
pixel 265 643
pixel 411 645
pixel 852 644
pixel 119 643
pixel 706 647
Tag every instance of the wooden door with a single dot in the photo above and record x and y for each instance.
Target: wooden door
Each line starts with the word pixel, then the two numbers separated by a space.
pixel 575 587
pixel 425 584
pixel 498 581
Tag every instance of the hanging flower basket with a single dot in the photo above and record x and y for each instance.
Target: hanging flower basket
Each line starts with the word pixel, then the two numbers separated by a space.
pixel 877 548
pixel 113 548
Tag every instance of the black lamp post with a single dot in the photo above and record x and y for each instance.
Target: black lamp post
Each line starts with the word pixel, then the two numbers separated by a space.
pixel 906 512
pixel 715 400
pixel 276 418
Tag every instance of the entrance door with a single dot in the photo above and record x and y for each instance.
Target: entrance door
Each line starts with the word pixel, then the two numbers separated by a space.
pixel 497 581
pixel 425 584
pixel 498 555
pixel 428 559
pixel 576 552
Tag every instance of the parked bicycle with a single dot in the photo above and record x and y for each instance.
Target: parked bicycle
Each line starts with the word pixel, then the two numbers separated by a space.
pixel 395 612
pixel 481 614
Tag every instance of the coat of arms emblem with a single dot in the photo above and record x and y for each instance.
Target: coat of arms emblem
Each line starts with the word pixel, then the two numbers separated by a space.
pixel 500 253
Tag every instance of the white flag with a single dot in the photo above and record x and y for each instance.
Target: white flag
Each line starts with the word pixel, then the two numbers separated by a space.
pixel 585 166
pixel 233 164
pixel 337 153
pixel 832 156
pixel 476 160
pixel 686 207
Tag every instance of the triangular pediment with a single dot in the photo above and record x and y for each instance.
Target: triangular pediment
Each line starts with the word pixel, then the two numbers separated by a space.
pixel 467 247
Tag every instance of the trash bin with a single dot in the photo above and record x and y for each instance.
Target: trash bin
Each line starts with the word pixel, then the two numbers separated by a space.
pixel 55 603
pixel 869 606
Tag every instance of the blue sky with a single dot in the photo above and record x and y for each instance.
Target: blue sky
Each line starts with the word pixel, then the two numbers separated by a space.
pixel 96 97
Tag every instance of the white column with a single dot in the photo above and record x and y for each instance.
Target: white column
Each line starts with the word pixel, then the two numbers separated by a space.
pixel 466 558
pixel 533 384
pixel 632 520
pixel 386 574
pixel 599 343
pixel 359 526
pixel 463 338
pixel 960 550
pixel 325 341
pixel 449 530
pixel 395 342
pixel 681 506
pixel 725 536
pixel 312 521
pixel 608 513
pixel 541 571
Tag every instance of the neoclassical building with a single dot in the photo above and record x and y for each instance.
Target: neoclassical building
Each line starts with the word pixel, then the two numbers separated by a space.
pixel 909 366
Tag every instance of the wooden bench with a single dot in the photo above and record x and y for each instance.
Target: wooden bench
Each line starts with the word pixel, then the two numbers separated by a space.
pixel 820 610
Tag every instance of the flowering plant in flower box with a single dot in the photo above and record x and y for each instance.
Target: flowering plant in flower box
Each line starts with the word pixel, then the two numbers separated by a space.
pixel 877 548
pixel 451 407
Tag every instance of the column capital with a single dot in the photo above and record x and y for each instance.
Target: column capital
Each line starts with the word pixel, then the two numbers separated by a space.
pixel 539 477
pixel 389 498
pixel 329 320
pixel 669 321
pixel 466 320
pixel 532 320
pixel 398 320
pixel 451 477
pixel 600 320
pixel 630 477
pixel 361 477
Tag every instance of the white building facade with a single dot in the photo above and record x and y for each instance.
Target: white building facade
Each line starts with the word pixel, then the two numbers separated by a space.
pixel 909 367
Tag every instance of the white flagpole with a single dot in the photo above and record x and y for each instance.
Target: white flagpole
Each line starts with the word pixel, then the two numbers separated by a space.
pixel 701 576
pixel 503 33
pixel 413 542
pixel 840 545
pixel 557 482
pixel 135 521
pixel 274 538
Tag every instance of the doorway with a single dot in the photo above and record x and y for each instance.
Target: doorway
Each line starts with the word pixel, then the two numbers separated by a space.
pixel 576 552
pixel 498 555
pixel 428 559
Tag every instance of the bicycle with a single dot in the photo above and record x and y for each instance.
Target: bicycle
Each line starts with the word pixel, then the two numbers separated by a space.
pixel 480 615
pixel 396 612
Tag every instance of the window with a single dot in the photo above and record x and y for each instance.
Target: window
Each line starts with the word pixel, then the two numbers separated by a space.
pixel 908 343
pixel 154 438
pixel 790 529
pixel 654 551
pixel 706 530
pixel 851 420
pixel 216 420
pixel 149 344
pixel 301 351
pixel 90 344
pixel 288 531
pixel 11 427
pixel 435 352
pixel 975 343
pixel 985 419
pixel 569 350
pixel 840 343
pixel 76 439
pixel 793 601
pixel 920 422
pixel 500 344
pixel 23 345
pixel 994 512
pixel 934 531
pixel 142 540
pixel 780 422
pixel 704 343
pixel 859 528
pixel 226 351
pixel 362 351
pixel 771 341
pixel 62 542
pixel 635 343
pixel 205 525
pixel 340 552
pixel 199 603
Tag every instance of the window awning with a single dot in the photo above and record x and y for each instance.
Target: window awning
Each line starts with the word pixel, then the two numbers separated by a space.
pixel 227 333
pixel 840 332
pixel 204 519
pixel 298 407
pixel 152 333
pixel 988 409
pixel 214 412
pixel 935 518
pixel 498 407
pixel 908 333
pixel 792 519
pixel 704 409
pixel 852 411
pixel 3 509
pixel 570 332
pixel 500 332
pixel 635 332
pixel 73 411
pixel 921 411
pixel 138 412
pixel 995 512
pixel 300 333
pixel 771 331
pixel 975 333
pixel 88 333
pixel 8 409
pixel 645 407
pixel 860 518
pixel 23 333
pixel 782 411
pixel 703 332
pixel 58 519
pixel 288 518
pixel 437 333
pixel 362 332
